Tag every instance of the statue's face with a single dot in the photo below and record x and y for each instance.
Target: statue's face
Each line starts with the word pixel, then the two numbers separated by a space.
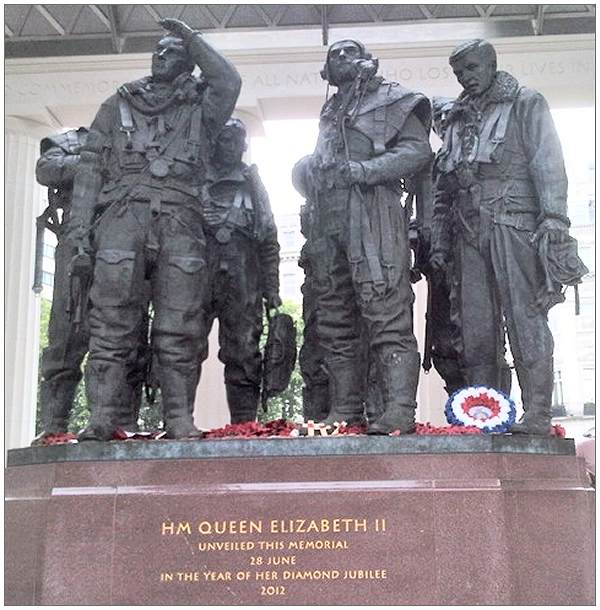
pixel 169 60
pixel 474 71
pixel 340 62
pixel 441 108
pixel 230 147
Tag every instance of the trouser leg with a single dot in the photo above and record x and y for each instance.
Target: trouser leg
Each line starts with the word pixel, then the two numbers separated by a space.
pixel 112 358
pixel 315 393
pixel 137 376
pixel 475 303
pixel 179 289
pixel 519 276
pixel 240 328
pixel 374 403
pixel 62 358
pixel 338 330
pixel 59 385
pixel 386 312
pixel 444 333
pixel 239 337
pixel 177 365
pixel 115 320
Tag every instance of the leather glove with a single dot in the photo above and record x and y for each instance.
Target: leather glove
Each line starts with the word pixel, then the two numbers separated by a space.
pixel 178 28
pixel 273 301
pixel 437 261
pixel 350 173
pixel 556 230
pixel 79 238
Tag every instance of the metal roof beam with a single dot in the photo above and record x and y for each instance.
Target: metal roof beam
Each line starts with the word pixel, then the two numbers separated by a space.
pixel 590 12
pixel 152 12
pixel 113 23
pixel 56 122
pixel 207 13
pixel 280 13
pixel 227 16
pixel 127 29
pixel 425 11
pixel 264 16
pixel 372 12
pixel 43 11
pixel 74 22
pixel 98 12
pixel 538 22
pixel 324 25
pixel 24 21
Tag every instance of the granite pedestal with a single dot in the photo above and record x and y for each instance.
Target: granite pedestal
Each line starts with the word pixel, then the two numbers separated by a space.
pixel 388 520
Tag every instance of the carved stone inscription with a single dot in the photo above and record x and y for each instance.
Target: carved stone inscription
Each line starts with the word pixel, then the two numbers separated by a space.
pixel 276 556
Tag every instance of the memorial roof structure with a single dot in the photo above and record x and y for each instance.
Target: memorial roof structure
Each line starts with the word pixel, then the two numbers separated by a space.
pixel 32 30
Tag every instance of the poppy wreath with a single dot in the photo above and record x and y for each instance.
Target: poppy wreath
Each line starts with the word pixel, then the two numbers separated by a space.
pixel 485 408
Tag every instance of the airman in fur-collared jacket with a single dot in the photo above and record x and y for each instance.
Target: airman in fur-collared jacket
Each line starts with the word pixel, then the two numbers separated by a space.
pixel 501 194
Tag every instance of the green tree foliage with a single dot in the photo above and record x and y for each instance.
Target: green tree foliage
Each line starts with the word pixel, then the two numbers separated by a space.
pixel 288 404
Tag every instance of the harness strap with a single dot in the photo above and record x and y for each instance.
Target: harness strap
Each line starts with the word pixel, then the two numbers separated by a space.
pixel 241 201
pixel 355 249
pixel 152 240
pixel 127 126
pixel 494 131
pixel 195 132
pixel 369 247
pixel 453 139
pixel 379 130
pixel 385 225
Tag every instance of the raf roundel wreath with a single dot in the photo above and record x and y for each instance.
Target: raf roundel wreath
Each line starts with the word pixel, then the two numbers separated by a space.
pixel 488 409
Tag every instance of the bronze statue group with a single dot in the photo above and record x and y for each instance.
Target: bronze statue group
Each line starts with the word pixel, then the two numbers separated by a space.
pixel 160 214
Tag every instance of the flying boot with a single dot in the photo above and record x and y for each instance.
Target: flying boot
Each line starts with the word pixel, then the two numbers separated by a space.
pixel 374 405
pixel 56 398
pixel 345 392
pixel 505 378
pixel 106 387
pixel 243 402
pixel 399 377
pixel 178 391
pixel 128 409
pixel 536 383
pixel 450 371
pixel 315 401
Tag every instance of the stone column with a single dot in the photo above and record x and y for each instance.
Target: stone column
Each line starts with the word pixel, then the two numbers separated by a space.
pixel 24 201
pixel 210 409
